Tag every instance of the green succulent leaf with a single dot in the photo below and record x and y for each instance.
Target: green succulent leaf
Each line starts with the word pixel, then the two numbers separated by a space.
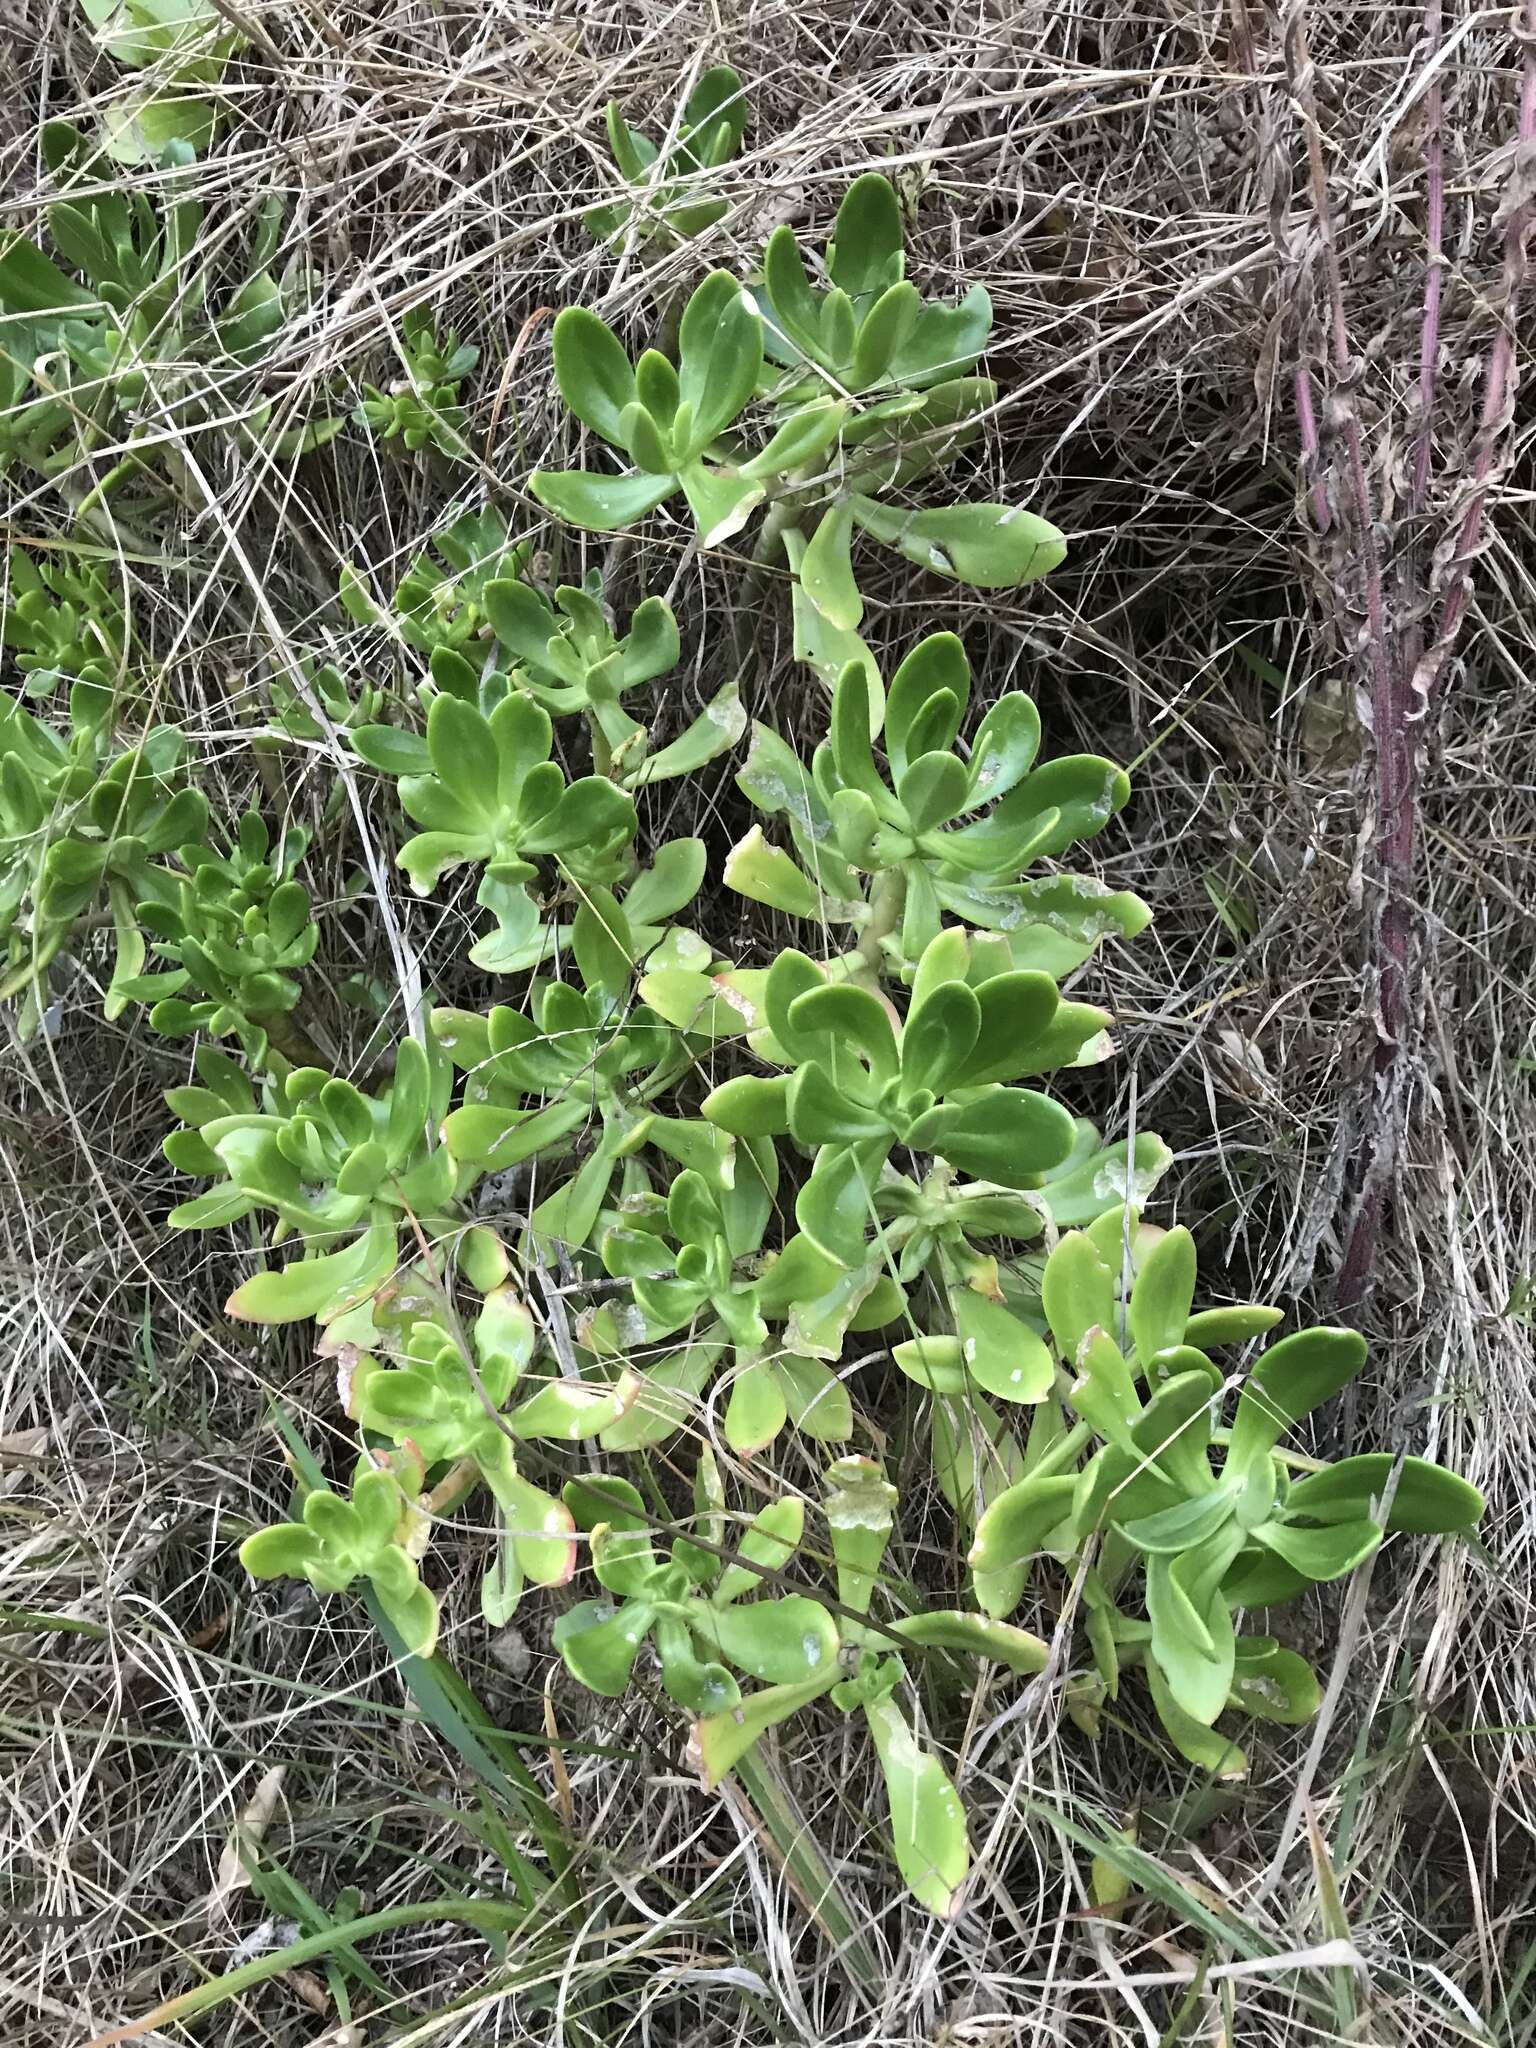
pixel 801 441
pixel 927 1820
pixel 600 504
pixel 600 1642
pixel 974 1635
pixel 866 253
pixel 994 547
pixel 861 1512
pixel 1291 1379
pixel 720 357
pixel 1107 1177
pixel 757 1409
pixel 317 1287
pixel 1006 1135
pixel 1017 1527
pixel 767 874
pixel 1210 1327
pixel 815 1399
pixel 1002 1355
pixel 783 1642
pixel 1193 1738
pixel 1428 1499
pixel 721 501
pixel 826 569
pixel 1272 1683
pixel 770 1539
pixel 722 1740
pixel 1185 1526
pixel 835 1207
pixel 281 1552
pixel 1328 1552
pixel 595 376
pixel 1078 1295
pixel 1162 1295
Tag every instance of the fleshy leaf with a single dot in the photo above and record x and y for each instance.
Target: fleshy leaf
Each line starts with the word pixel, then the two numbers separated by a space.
pixel 972 1635
pixel 927 1820
pixel 994 547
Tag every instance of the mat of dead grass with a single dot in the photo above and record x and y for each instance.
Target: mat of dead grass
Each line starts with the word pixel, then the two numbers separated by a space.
pixel 1133 190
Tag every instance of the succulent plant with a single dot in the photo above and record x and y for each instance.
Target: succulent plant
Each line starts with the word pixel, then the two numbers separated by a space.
pixel 62 619
pixel 370 1535
pixel 828 466
pixel 234 929
pixel 340 1170
pixel 928 1831
pixel 695 1606
pixel 1176 1535
pixel 421 408
pixel 444 1393
pixel 663 200
pixel 892 851
pixel 82 820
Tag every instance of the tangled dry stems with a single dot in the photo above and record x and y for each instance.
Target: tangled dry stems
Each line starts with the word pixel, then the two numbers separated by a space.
pixel 1132 189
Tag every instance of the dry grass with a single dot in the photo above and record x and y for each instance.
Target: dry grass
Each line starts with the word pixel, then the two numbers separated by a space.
pixel 1132 188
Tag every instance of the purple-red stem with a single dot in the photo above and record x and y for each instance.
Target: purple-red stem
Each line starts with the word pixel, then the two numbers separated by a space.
pixel 1420 671
pixel 1498 390
pixel 1311 449
pixel 1434 209
pixel 1345 371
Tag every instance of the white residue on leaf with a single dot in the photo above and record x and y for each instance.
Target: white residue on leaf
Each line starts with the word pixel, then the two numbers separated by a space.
pixel 1093 1051
pixel 346 1367
pixel 629 1324
pixel 1256 1687
pixel 1116 1182
pixel 740 1003
pixel 728 714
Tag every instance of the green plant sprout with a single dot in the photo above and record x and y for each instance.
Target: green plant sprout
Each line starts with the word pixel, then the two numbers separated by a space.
pixel 440 600
pixel 695 1259
pixel 927 1821
pixel 234 930
pixel 292 708
pixel 663 202
pixel 374 1534
pixel 569 659
pixel 1168 1545
pixel 580 1058
pixel 483 783
pixel 133 355
pixel 858 1090
pixel 182 45
pixel 62 620
pixel 81 822
pixel 868 330
pixel 824 468
pixel 485 790
pixel 422 409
